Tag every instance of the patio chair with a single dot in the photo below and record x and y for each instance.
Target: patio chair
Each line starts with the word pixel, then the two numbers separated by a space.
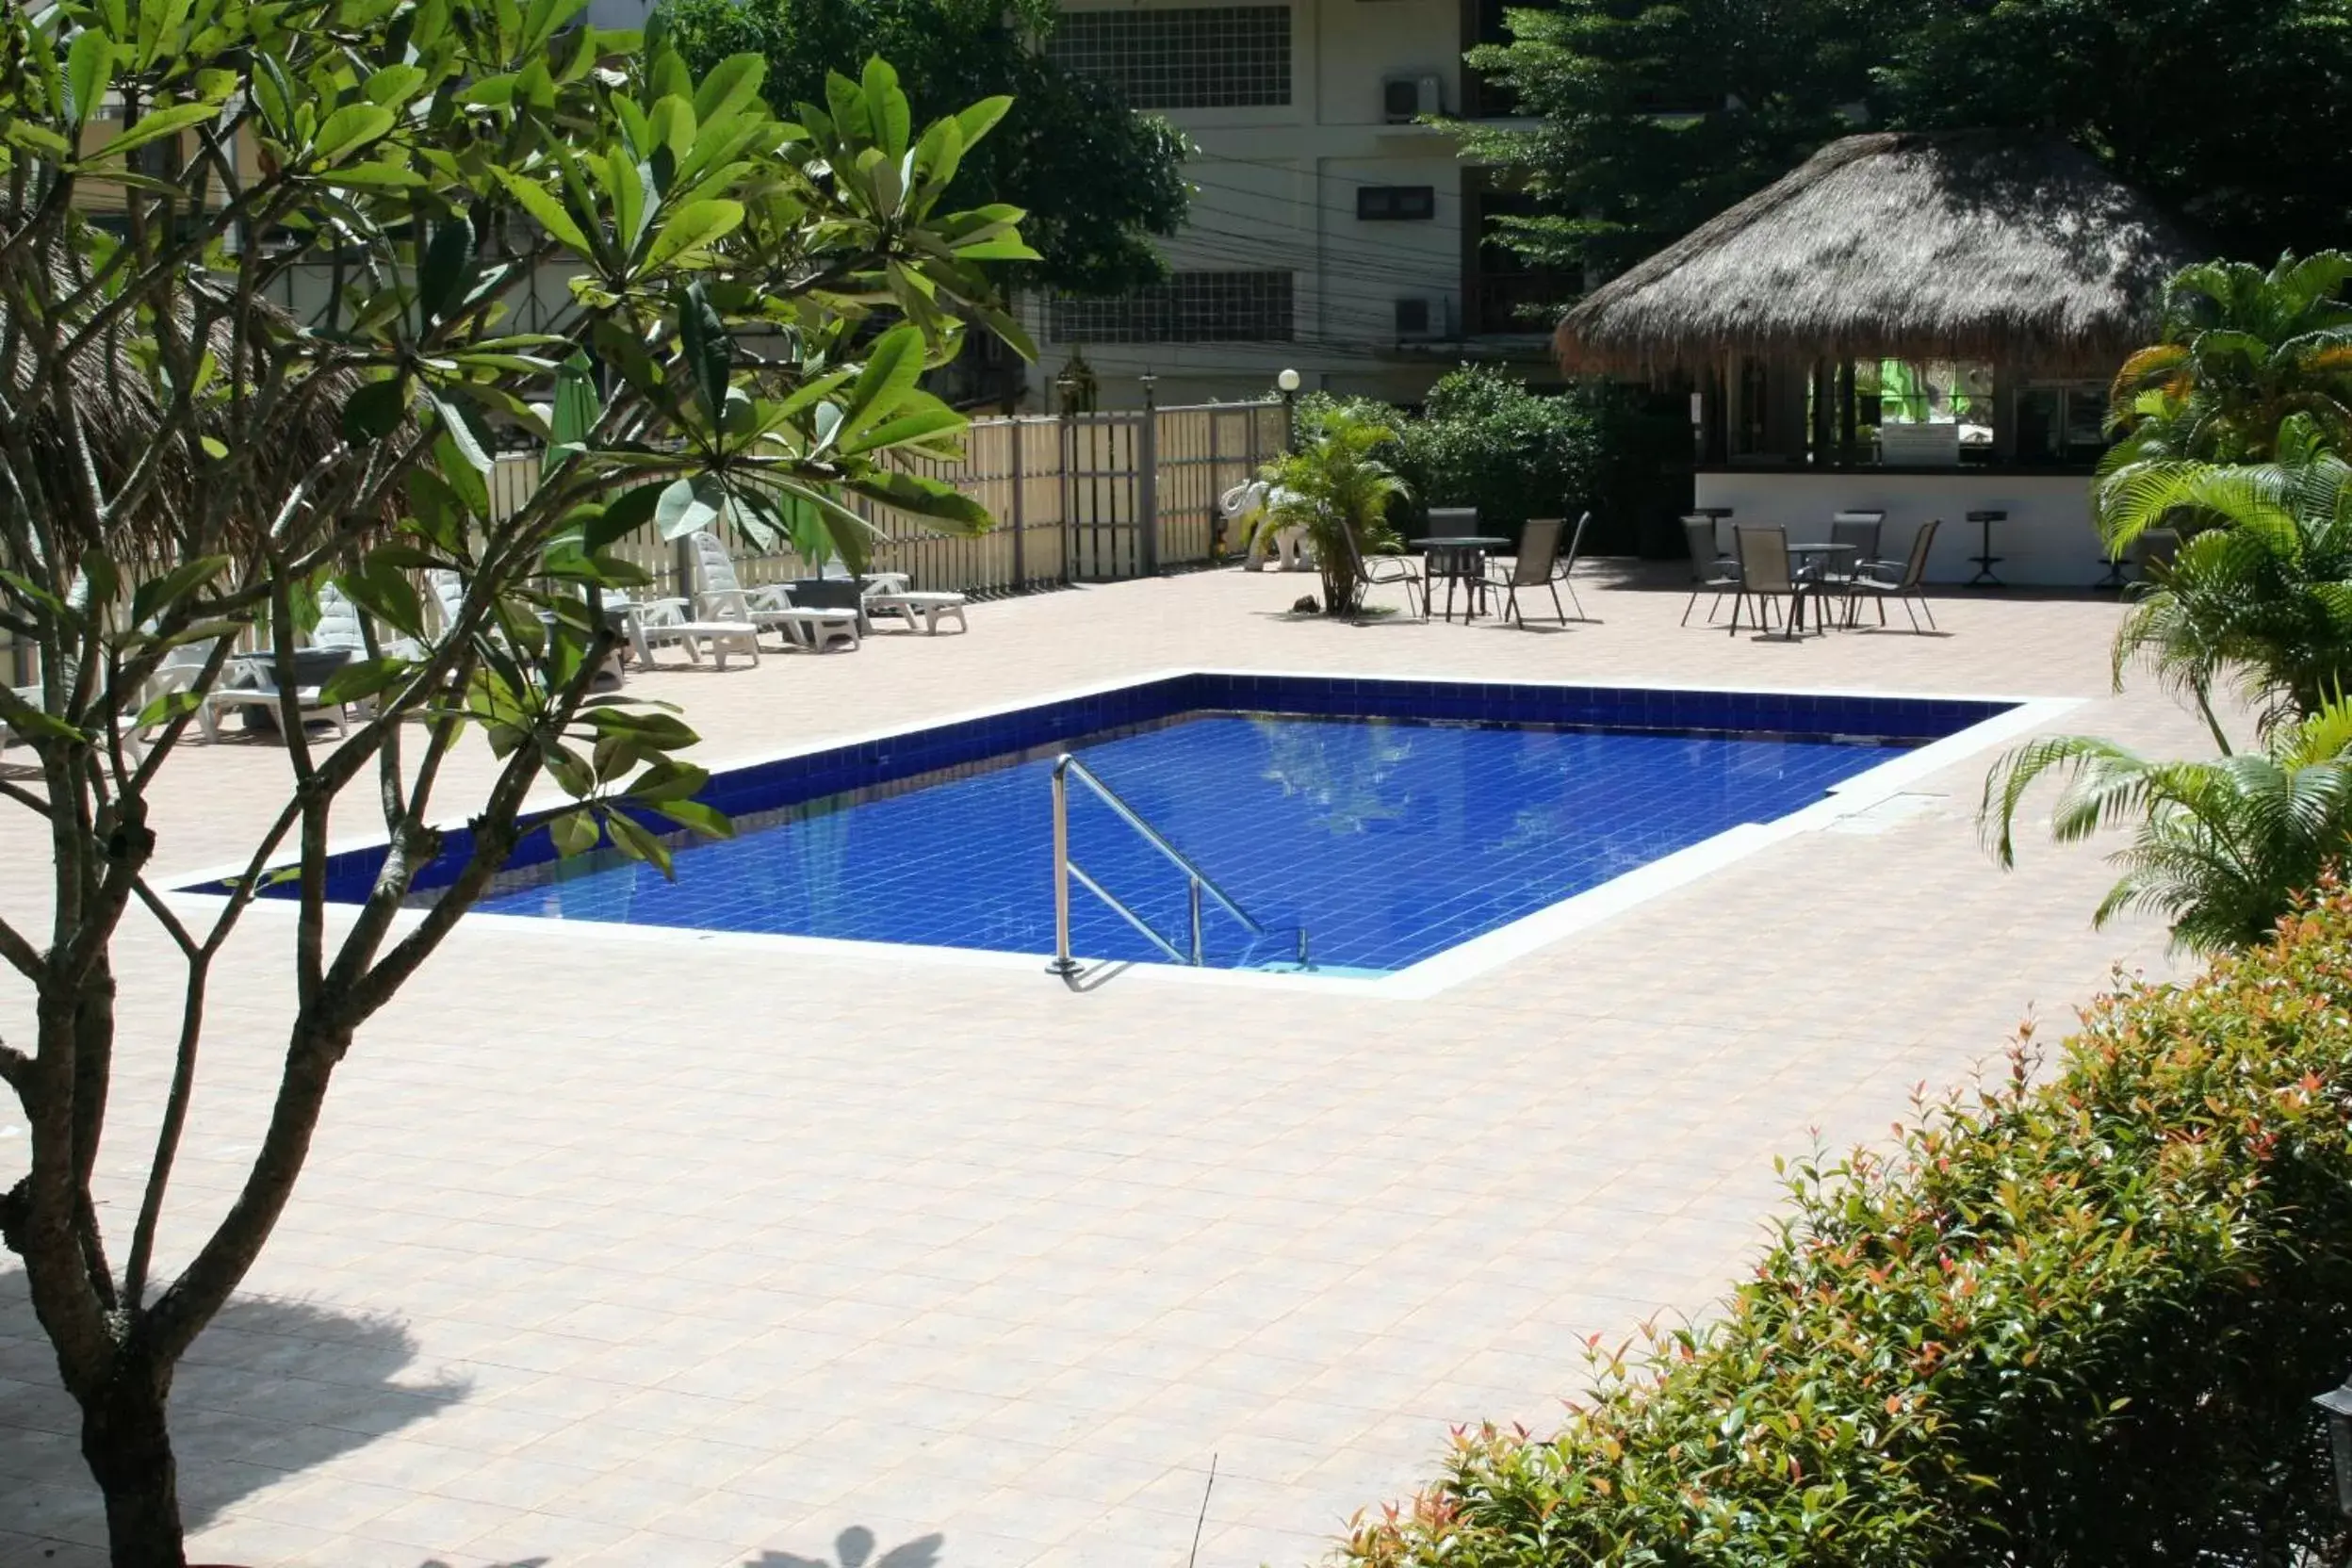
pixel 1386 569
pixel 1710 569
pixel 724 599
pixel 1553 571
pixel 659 623
pixel 889 595
pixel 1901 580
pixel 1534 567
pixel 1765 575
pixel 249 684
pixel 1838 571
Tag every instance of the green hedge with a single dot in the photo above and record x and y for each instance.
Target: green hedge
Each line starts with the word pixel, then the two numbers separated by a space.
pixel 1483 440
pixel 2071 1319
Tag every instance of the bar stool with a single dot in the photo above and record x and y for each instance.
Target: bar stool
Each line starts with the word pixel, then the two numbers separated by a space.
pixel 1715 514
pixel 1987 561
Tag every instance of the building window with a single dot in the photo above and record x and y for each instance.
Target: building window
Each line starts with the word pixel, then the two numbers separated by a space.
pixel 1393 204
pixel 1190 307
pixel 1200 58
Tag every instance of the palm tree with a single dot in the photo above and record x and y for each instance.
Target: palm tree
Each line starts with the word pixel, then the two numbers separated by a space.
pixel 1339 490
pixel 2222 847
pixel 2265 589
pixel 2244 350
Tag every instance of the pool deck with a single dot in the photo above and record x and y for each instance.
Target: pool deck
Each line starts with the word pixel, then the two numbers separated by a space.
pixel 625 1247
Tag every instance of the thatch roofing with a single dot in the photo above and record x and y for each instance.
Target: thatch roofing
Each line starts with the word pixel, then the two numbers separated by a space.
pixel 1955 245
pixel 121 417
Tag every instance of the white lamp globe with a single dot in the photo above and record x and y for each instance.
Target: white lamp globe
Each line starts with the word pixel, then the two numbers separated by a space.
pixel 1287 380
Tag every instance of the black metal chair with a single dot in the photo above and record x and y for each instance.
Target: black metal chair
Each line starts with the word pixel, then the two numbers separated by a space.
pixel 1710 569
pixel 1841 568
pixel 1765 574
pixel 1533 567
pixel 1386 570
pixel 1901 580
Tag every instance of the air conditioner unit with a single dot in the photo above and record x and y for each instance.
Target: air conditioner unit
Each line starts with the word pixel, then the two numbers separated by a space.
pixel 1424 318
pixel 1406 99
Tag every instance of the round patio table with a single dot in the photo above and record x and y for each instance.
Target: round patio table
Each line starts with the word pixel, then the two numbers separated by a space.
pixel 1460 558
pixel 1823 553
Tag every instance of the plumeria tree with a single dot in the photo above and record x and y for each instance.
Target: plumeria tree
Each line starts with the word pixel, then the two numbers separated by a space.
pixel 185 467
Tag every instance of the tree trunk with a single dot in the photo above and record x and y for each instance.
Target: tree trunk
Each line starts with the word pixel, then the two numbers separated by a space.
pixel 128 1447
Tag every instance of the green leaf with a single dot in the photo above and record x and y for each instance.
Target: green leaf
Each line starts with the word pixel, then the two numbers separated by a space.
pixel 638 845
pixel 373 411
pixel 633 510
pixel 690 506
pixel 448 268
pixel 692 229
pixel 169 706
pixel 890 372
pixel 732 84
pixel 1005 249
pixel 707 820
pixel 708 349
pixel 907 428
pixel 348 128
pixel 394 84
pixel 550 213
pixel 927 498
pixel 888 105
pixel 460 435
pixel 34 725
pixel 88 70
pixel 157 594
pixel 977 121
pixel 363 679
pixel 155 126
pixel 668 779
pixel 574 832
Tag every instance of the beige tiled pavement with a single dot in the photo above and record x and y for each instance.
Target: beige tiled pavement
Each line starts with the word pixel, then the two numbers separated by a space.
pixel 618 1248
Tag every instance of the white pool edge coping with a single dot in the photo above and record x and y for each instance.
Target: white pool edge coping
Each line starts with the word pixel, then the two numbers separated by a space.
pixel 1421 981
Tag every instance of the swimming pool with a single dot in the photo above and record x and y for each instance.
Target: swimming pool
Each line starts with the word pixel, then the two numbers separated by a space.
pixel 1391 821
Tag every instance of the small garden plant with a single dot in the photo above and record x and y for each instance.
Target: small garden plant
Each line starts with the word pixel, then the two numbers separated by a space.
pixel 2072 1317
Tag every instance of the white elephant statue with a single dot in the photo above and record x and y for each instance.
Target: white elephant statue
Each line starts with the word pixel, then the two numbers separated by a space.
pixel 1244 503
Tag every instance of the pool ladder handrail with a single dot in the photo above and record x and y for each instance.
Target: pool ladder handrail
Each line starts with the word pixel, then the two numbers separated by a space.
pixel 1065 868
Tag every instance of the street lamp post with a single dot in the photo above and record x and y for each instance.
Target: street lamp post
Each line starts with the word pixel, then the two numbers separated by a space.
pixel 1288 382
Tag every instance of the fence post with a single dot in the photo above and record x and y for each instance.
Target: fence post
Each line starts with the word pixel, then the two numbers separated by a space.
pixel 1020 512
pixel 1147 487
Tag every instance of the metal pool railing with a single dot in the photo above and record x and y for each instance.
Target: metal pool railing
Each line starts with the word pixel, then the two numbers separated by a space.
pixel 1065 868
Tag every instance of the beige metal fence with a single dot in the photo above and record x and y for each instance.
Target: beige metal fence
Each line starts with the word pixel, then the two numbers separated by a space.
pixel 1089 498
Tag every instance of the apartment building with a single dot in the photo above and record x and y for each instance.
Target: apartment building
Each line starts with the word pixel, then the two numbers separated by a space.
pixel 1331 232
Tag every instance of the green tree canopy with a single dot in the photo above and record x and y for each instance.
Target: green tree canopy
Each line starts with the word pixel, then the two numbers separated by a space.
pixel 1657 114
pixel 1096 179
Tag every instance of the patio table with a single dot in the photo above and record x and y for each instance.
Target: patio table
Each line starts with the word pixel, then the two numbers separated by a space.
pixel 1461 558
pixel 1811 574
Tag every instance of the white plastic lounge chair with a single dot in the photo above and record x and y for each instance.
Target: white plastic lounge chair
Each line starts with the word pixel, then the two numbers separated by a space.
pixel 932 607
pixel 770 606
pixel 249 682
pixel 659 623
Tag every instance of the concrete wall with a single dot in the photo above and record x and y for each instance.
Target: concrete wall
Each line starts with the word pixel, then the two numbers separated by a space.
pixel 2047 541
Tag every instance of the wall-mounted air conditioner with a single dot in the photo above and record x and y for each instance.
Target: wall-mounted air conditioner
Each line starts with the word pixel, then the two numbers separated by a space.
pixel 1424 318
pixel 1406 98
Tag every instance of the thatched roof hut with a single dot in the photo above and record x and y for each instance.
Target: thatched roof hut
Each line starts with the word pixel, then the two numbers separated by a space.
pixel 1960 245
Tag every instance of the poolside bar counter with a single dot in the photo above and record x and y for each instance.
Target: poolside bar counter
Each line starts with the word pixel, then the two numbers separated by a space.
pixel 2047 541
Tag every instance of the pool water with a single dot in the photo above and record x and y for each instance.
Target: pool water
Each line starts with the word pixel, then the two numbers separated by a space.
pixel 1388 841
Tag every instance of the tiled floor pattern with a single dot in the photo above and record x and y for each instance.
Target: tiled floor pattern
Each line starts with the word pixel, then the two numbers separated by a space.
pixel 1387 842
pixel 619 1247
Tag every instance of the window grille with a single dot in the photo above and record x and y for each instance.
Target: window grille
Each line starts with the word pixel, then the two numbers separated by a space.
pixel 1196 57
pixel 1190 307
